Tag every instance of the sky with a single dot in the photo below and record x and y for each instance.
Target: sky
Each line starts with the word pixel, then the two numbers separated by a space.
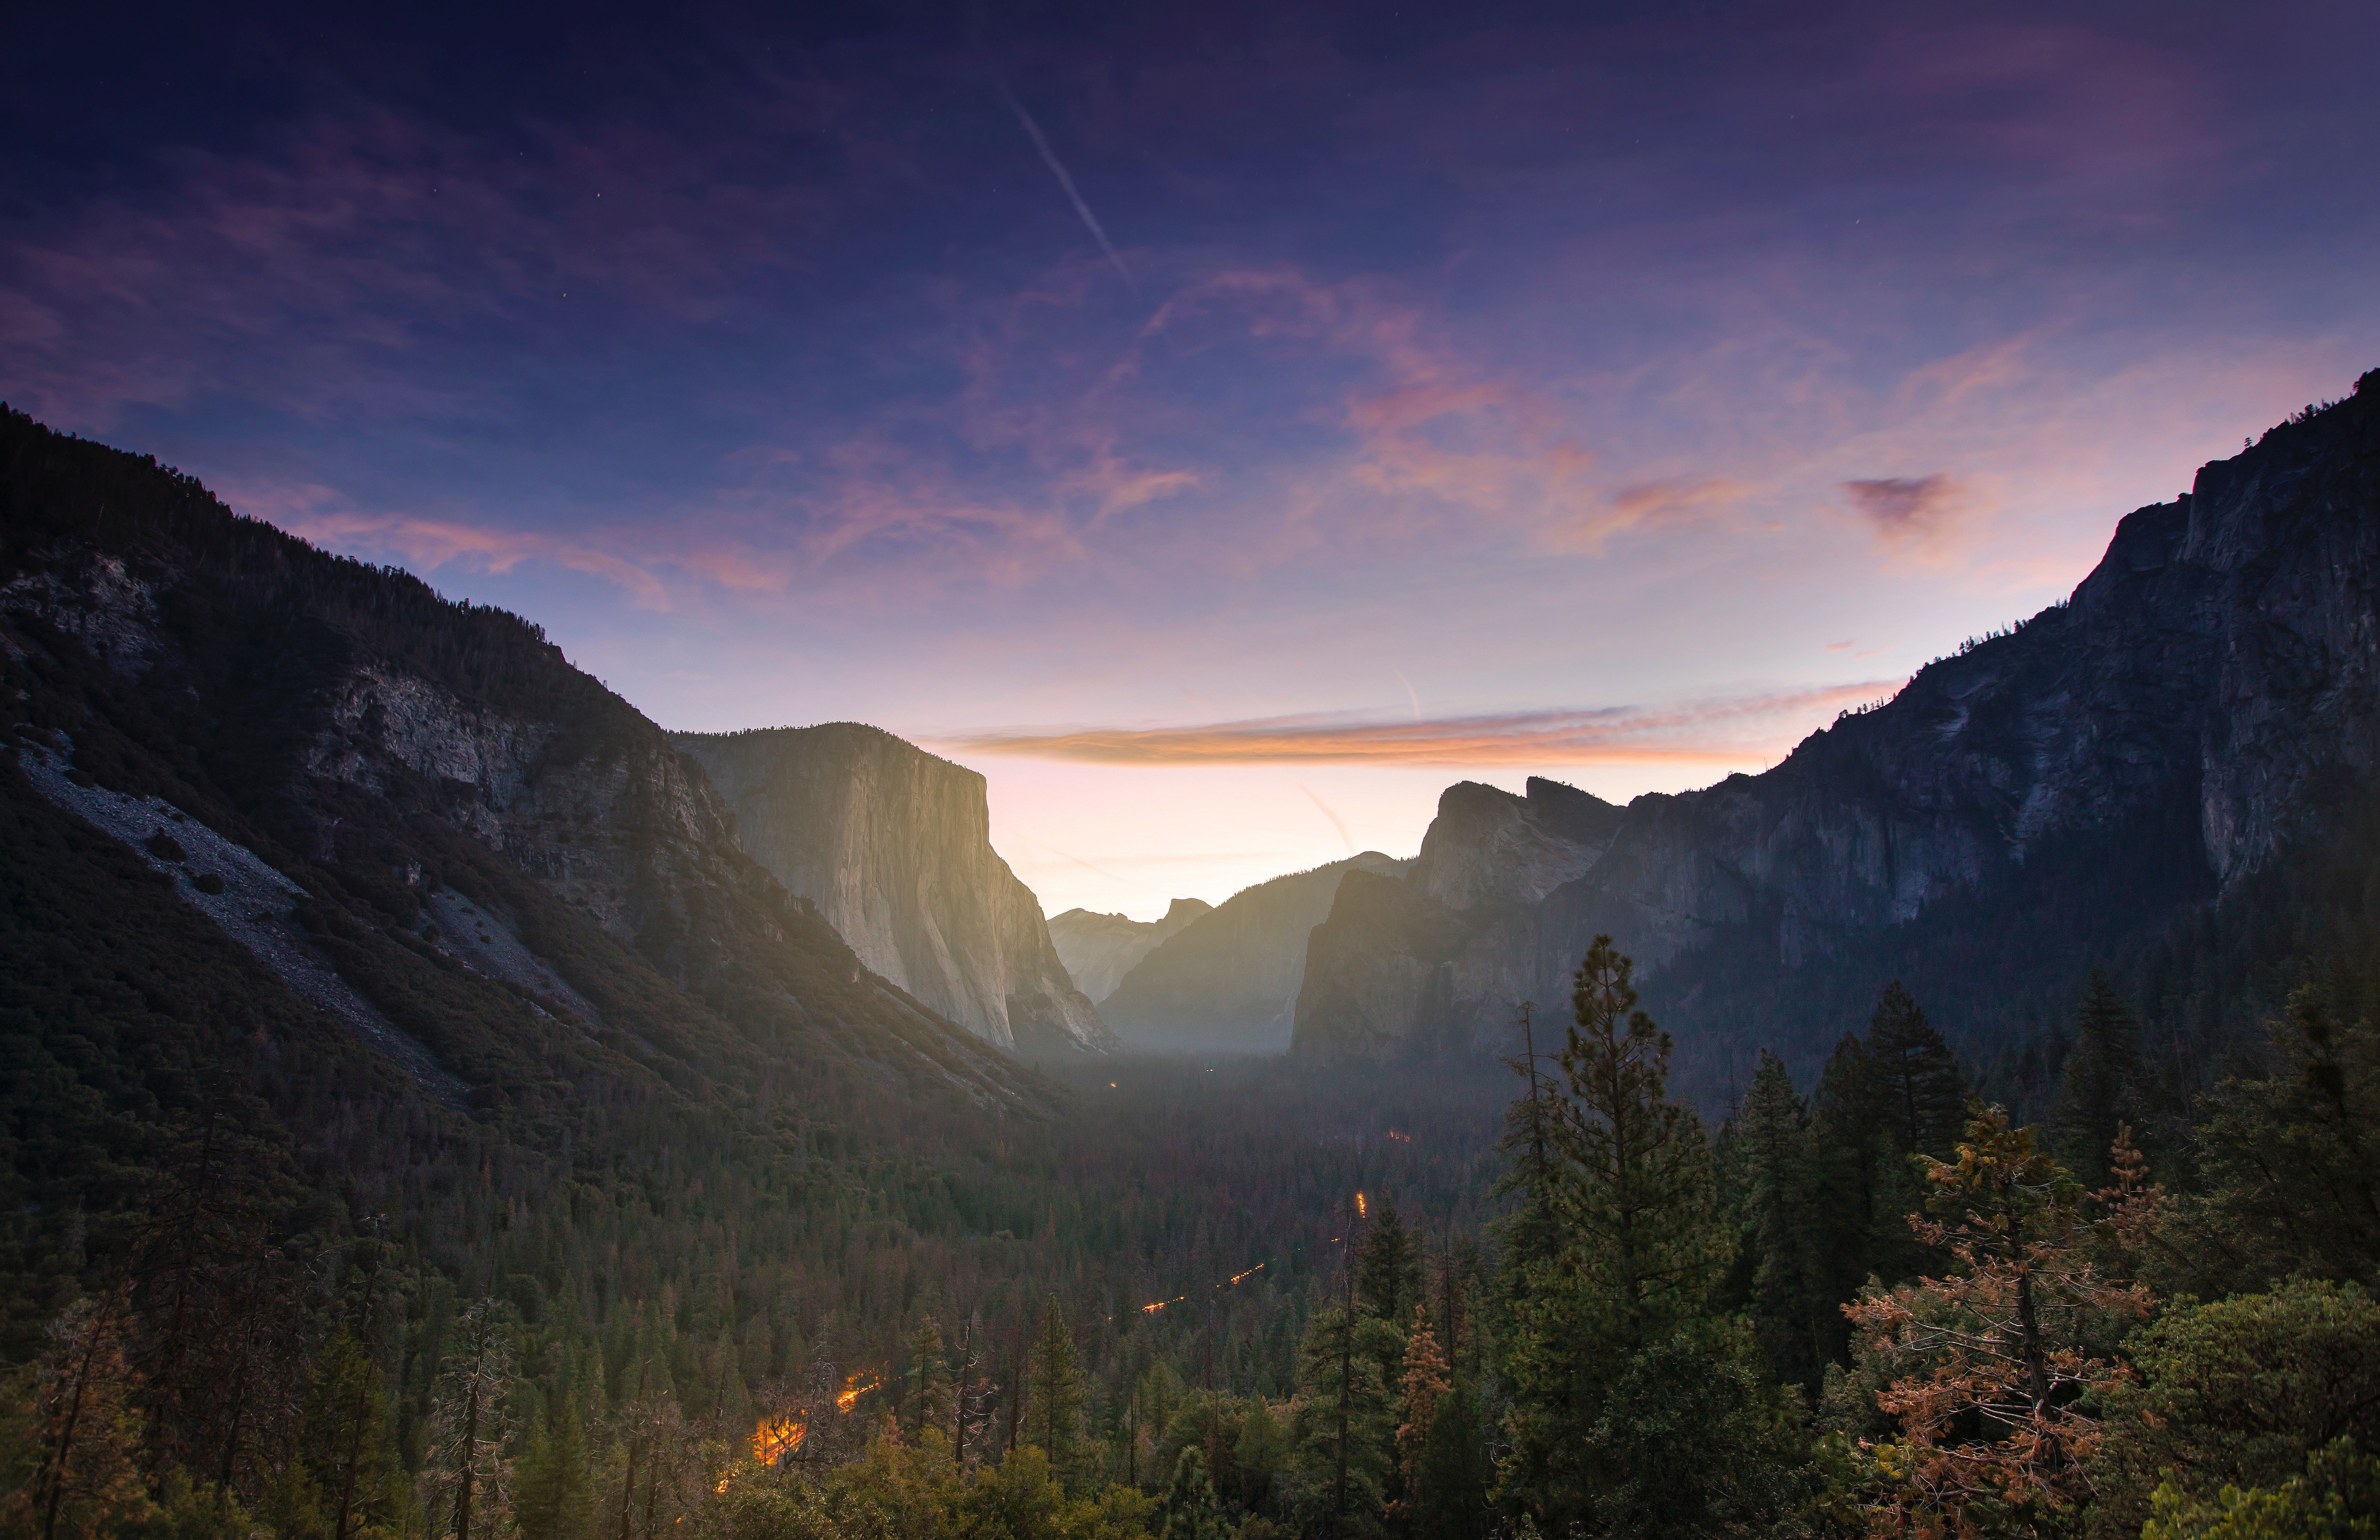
pixel 1223 426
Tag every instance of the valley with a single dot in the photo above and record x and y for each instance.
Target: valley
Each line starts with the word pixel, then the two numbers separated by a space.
pixel 376 985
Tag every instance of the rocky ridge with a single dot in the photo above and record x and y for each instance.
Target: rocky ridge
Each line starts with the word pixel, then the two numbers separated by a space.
pixel 2201 699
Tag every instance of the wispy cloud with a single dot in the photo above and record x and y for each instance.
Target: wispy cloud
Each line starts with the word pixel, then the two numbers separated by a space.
pixel 1738 730
pixel 430 544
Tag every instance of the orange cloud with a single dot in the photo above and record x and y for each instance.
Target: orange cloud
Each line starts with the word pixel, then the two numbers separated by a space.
pixel 1742 730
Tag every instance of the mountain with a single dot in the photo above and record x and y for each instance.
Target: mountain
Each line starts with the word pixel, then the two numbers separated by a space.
pixel 1227 981
pixel 494 873
pixel 1099 949
pixel 2071 792
pixel 893 846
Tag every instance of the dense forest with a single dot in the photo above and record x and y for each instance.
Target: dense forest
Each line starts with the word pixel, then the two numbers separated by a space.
pixel 1875 1307
pixel 722 1239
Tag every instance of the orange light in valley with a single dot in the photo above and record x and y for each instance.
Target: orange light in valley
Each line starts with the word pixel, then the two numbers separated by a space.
pixel 775 1438
pixel 1153 1309
pixel 1360 1209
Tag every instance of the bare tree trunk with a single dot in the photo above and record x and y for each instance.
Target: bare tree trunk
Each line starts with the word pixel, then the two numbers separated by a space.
pixel 67 1433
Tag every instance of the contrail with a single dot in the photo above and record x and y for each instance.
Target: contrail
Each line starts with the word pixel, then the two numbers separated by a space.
pixel 1409 692
pixel 1336 821
pixel 1050 159
pixel 1088 866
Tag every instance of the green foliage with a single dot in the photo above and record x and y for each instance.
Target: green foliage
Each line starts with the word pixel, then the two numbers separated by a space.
pixel 2290 1159
pixel 343 1438
pixel 1054 1407
pixel 1692 1444
pixel 1188 1510
pixel 1387 1276
pixel 2239 1393
pixel 1918 1084
pixel 2336 1498
pixel 554 1492
pixel 2100 1089
pixel 1451 1498
pixel 1344 1422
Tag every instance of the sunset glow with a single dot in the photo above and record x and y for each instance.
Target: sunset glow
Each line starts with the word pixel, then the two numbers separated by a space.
pixel 1467 397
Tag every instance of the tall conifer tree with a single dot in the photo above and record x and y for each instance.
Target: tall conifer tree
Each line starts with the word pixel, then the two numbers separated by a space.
pixel 1633 1200
pixel 1054 1388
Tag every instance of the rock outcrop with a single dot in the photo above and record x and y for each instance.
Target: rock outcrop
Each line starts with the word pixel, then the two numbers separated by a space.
pixel 2199 702
pixel 894 846
pixel 1228 982
pixel 1099 949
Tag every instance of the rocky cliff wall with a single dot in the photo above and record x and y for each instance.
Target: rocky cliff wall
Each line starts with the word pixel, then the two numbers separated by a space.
pixel 1099 949
pixel 894 846
pixel 2220 659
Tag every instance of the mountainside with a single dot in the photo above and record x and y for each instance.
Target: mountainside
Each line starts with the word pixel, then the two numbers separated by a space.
pixel 894 846
pixel 496 871
pixel 2204 700
pixel 1099 949
pixel 1227 981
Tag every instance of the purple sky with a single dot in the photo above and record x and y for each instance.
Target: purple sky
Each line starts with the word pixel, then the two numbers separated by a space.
pixel 1612 392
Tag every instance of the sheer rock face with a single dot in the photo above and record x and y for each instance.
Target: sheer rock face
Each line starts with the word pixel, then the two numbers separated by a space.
pixel 2220 659
pixel 1229 980
pixel 1099 949
pixel 894 847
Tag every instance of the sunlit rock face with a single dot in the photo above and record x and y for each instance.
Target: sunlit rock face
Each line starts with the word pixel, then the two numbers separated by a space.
pixel 1099 949
pixel 1228 982
pixel 894 846
pixel 2205 696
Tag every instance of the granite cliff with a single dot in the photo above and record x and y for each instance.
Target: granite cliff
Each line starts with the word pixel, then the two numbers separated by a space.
pixel 1099 949
pixel 894 846
pixel 1229 980
pixel 2204 700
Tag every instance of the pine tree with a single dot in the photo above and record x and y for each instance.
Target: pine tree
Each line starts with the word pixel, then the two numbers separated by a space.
pixel 1425 1386
pixel 1388 1274
pixel 1345 1422
pixel 1793 1303
pixel 1054 1416
pixel 1450 1501
pixel 2098 1088
pixel 929 1389
pixel 85 1431
pixel 346 1432
pixel 469 1424
pixel 1922 1085
pixel 973 1391
pixel 1997 1388
pixel 1189 1506
pixel 1635 1201
pixel 554 1495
